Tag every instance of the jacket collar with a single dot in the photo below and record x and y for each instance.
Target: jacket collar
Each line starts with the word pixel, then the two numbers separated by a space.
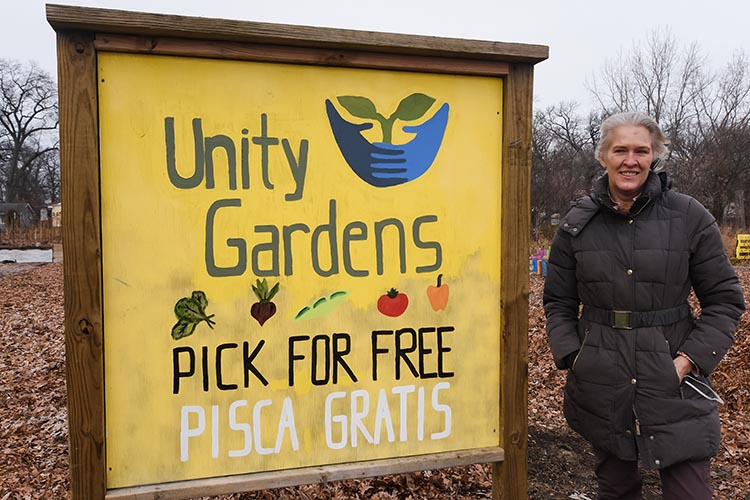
pixel 583 209
pixel 655 184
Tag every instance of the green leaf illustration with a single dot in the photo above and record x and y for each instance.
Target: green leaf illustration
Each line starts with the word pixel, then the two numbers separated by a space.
pixel 273 291
pixel 201 299
pixel 413 107
pixel 262 292
pixel 361 107
pixel 182 329
pixel 190 311
pixel 410 108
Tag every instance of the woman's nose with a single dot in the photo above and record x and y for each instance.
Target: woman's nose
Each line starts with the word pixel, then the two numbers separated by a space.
pixel 631 159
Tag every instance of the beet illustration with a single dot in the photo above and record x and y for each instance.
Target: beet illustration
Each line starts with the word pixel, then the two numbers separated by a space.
pixel 264 308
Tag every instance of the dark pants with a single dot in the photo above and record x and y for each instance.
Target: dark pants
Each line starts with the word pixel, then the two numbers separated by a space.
pixel 621 480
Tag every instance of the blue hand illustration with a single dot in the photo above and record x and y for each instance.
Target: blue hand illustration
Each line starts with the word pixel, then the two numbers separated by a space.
pixel 417 154
pixel 380 164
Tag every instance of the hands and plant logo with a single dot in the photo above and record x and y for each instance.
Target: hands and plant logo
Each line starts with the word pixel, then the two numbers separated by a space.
pixel 383 164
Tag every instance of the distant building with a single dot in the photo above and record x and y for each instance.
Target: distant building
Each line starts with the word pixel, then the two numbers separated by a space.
pixel 57 215
pixel 16 215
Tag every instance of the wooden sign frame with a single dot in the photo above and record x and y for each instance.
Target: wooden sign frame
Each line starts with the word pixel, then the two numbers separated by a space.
pixel 84 32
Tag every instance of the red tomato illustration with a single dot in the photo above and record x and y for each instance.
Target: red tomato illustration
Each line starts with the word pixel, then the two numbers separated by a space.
pixel 393 303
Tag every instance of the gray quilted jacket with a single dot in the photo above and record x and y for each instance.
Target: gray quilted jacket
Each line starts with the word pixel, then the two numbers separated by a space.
pixel 632 275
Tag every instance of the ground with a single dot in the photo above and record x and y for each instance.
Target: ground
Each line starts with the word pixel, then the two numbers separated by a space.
pixel 33 418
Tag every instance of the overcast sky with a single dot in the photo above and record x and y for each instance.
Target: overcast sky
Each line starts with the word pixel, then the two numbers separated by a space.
pixel 581 34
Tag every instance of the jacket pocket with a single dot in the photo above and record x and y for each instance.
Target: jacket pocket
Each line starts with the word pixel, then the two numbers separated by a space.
pixel 596 364
pixel 699 387
pixel 673 378
pixel 672 382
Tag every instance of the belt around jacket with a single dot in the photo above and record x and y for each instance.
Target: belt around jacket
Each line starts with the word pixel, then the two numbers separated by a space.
pixel 627 320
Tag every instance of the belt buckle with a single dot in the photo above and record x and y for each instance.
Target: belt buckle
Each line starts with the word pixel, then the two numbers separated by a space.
pixel 621 320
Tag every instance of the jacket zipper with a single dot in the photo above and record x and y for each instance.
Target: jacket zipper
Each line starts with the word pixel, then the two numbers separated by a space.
pixel 632 241
pixel 637 422
pixel 575 360
pixel 629 215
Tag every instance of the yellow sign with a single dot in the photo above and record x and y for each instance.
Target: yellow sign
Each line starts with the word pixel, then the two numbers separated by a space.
pixel 301 265
pixel 743 246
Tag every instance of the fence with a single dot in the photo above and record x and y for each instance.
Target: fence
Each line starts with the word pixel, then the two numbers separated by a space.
pixel 39 234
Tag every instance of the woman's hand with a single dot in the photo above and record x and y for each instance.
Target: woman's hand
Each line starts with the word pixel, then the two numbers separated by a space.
pixel 683 366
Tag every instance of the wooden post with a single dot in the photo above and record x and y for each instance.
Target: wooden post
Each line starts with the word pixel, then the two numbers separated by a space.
pixel 510 481
pixel 79 163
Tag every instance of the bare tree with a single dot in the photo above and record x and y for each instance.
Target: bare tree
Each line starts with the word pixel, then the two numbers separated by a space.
pixel 50 176
pixel 656 77
pixel 562 160
pixel 717 167
pixel 705 115
pixel 28 125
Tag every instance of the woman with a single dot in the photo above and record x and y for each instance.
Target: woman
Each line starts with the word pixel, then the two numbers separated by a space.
pixel 638 362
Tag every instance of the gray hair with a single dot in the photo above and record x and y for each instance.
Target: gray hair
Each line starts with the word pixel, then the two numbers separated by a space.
pixel 659 141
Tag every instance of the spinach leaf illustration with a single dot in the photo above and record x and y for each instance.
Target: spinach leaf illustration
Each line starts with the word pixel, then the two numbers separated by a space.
pixel 190 311
pixel 200 298
pixel 182 329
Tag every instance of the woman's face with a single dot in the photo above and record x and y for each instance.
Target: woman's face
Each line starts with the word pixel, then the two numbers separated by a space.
pixel 627 161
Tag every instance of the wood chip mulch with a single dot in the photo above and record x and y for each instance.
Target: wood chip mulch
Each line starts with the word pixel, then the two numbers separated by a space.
pixel 33 418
